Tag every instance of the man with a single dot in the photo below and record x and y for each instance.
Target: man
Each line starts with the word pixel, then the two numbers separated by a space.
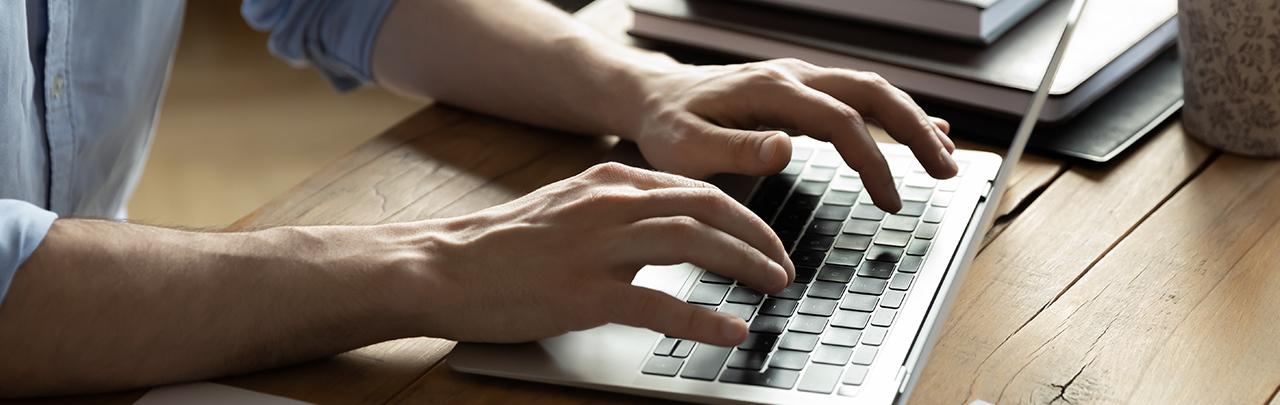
pixel 98 305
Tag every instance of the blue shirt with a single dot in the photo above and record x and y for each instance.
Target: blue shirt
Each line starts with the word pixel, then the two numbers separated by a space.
pixel 80 85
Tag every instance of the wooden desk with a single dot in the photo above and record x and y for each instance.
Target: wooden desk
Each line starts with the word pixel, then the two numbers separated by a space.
pixel 1154 280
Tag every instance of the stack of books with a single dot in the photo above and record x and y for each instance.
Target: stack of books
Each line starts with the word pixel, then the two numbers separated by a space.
pixel 971 56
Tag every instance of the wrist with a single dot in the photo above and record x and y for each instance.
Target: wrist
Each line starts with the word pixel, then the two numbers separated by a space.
pixel 634 79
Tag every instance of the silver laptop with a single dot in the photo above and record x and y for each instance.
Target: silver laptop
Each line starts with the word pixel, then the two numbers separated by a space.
pixel 858 324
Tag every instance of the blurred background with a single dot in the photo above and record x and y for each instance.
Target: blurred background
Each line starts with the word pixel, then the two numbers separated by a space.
pixel 239 127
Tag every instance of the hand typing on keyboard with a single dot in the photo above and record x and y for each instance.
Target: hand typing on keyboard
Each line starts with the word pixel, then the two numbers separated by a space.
pixel 562 259
pixel 701 120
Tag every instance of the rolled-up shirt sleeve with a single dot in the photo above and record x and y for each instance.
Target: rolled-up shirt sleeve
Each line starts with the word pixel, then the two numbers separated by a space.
pixel 22 227
pixel 335 36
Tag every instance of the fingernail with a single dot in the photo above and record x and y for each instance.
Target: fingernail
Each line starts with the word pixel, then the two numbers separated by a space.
pixel 948 160
pixel 730 330
pixel 777 269
pixel 770 147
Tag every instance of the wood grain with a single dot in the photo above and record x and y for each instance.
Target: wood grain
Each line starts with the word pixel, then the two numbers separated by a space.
pixel 1074 223
pixel 1182 310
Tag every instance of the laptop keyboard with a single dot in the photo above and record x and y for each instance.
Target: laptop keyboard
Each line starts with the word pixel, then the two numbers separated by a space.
pixel 855 265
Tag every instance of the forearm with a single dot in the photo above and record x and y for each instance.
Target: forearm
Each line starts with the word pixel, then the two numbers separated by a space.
pixel 102 305
pixel 520 59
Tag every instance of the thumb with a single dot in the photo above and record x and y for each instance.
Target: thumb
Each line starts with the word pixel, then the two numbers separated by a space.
pixel 756 153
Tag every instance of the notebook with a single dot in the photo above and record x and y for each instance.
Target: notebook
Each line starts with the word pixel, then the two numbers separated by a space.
pixel 1116 38
pixel 978 21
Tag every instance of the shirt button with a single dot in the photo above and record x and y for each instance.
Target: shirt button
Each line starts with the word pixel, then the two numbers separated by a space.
pixel 58 82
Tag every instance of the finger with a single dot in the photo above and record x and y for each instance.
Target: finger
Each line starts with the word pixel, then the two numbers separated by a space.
pixel 944 136
pixel 756 153
pixel 715 209
pixel 894 109
pixel 674 240
pixel 652 309
pixel 819 115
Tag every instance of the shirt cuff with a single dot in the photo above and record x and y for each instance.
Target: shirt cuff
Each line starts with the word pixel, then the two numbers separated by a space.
pixel 22 228
pixel 335 36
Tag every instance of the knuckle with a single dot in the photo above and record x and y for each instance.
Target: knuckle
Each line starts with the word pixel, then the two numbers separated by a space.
pixel 768 73
pixel 793 63
pixel 875 80
pixel 607 169
pixel 683 227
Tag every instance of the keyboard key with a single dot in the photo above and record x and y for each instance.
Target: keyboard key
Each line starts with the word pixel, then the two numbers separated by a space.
pixel 882 317
pixel 828 354
pixel 901 281
pixel 900 223
pixel 801 154
pixel 867 285
pixel 826 289
pixel 918 247
pixel 910 264
pixel 853 242
pixel 933 215
pixel 663 366
pixel 832 212
pixel 788 359
pixel 744 295
pixel 743 311
pixel 883 253
pixel 848 390
pixel 850 184
pixel 804 342
pixel 709 277
pixel 912 208
pixel 837 273
pixel 951 184
pixel 861 227
pixel 920 181
pixel 813 241
pixel 893 299
pixel 844 257
pixel 915 194
pixel 859 302
pixel 874 335
pixel 683 348
pixel 864 355
pixel 818 306
pixel 759 342
pixel 865 199
pixel 706 362
pixel 926 231
pixel 842 337
pixel 822 174
pixel 825 227
pixel 709 294
pixel 805 275
pixel 665 346
pixel 778 307
pixel 850 319
pixel 868 212
pixel 795 291
pixel 842 198
pixel 876 269
pixel 820 378
pixel 942 199
pixel 807 324
pixel 768 324
pixel 828 158
pixel 813 188
pixel 855 375
pixel 747 359
pixel 893 238
pixel 774 377
pixel 793 168
pixel 808 258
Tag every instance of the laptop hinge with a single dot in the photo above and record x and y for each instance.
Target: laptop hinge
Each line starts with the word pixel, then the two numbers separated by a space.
pixel 902 379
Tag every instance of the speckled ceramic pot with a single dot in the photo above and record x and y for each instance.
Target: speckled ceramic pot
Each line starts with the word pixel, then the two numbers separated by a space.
pixel 1231 73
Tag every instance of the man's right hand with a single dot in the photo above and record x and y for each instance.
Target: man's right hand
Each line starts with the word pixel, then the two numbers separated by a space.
pixel 562 259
